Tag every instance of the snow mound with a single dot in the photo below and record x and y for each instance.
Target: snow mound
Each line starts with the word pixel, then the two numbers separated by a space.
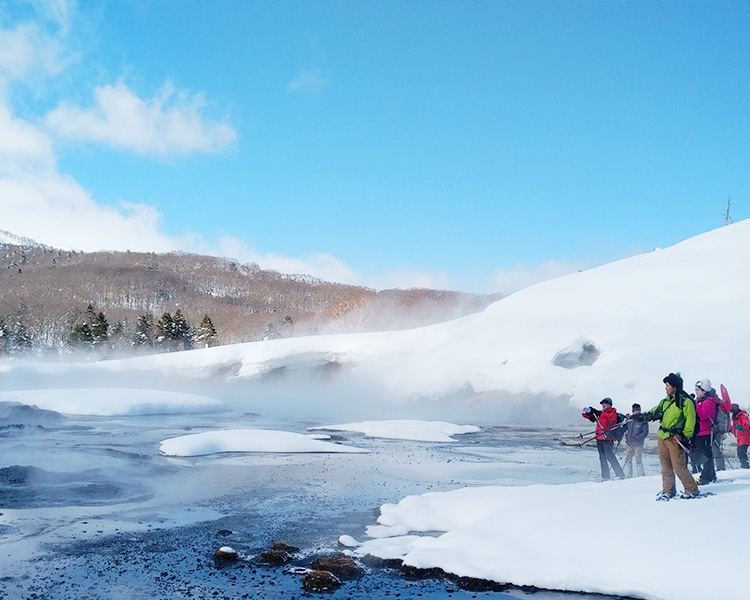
pixel 556 536
pixel 249 440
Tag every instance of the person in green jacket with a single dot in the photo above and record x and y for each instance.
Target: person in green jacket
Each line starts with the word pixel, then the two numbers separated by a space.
pixel 677 417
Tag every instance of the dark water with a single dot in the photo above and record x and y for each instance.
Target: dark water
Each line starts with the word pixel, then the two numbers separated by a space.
pixel 91 510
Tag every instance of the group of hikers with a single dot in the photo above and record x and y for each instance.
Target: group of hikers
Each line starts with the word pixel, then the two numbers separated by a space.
pixel 691 427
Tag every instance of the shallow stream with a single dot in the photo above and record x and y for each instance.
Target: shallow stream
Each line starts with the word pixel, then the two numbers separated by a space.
pixel 92 510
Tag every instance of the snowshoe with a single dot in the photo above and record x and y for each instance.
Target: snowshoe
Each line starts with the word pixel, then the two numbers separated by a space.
pixel 663 496
pixel 689 495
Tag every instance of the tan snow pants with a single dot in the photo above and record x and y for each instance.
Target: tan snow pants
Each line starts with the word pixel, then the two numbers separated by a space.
pixel 674 462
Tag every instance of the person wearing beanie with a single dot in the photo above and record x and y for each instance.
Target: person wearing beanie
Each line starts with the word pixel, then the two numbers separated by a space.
pixel 702 448
pixel 606 420
pixel 741 430
pixel 635 435
pixel 676 416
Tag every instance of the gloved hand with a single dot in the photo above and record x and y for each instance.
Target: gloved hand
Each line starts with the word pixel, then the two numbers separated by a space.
pixel 739 427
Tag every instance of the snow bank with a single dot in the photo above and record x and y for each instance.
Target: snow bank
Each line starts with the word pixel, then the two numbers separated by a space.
pixel 609 538
pixel 639 319
pixel 114 401
pixel 404 429
pixel 248 440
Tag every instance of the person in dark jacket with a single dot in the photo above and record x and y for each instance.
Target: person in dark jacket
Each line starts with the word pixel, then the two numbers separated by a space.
pixel 606 420
pixel 635 435
pixel 676 414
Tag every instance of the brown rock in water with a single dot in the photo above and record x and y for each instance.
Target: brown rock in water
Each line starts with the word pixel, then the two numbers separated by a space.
pixel 279 554
pixel 341 566
pixel 320 581
pixel 225 556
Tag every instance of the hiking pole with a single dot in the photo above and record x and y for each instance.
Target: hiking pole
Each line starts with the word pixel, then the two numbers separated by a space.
pixel 584 442
pixel 687 450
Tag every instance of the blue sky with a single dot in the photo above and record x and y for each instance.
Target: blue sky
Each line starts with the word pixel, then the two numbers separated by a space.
pixel 478 146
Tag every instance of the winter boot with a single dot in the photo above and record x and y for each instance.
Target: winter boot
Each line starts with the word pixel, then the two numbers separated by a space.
pixel 663 496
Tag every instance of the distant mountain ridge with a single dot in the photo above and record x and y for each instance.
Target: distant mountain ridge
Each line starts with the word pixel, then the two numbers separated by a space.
pixel 46 291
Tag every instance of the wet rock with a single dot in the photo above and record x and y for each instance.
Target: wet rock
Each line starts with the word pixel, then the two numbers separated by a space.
pixel 380 563
pixel 225 556
pixel 343 566
pixel 472 584
pixel 582 354
pixel 320 581
pixel 279 554
pixel 415 573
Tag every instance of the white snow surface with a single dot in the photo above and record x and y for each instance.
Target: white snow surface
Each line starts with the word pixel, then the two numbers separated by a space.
pixel 649 315
pixel 249 440
pixel 404 429
pixel 609 537
pixel 111 402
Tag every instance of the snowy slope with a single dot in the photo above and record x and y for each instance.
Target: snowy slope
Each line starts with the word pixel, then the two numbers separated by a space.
pixel 681 308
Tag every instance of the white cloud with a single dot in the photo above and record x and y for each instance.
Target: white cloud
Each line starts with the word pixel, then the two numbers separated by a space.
pixel 23 147
pixel 28 52
pixel 55 210
pixel 307 81
pixel 507 281
pixel 169 123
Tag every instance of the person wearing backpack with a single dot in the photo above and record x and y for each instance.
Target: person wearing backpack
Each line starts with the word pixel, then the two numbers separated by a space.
pixel 702 445
pixel 722 426
pixel 676 414
pixel 635 436
pixel 741 430
pixel 606 421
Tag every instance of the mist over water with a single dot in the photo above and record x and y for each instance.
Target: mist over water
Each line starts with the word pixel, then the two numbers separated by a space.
pixel 94 495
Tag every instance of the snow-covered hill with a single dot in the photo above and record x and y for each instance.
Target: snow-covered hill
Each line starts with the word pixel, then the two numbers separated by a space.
pixel 681 308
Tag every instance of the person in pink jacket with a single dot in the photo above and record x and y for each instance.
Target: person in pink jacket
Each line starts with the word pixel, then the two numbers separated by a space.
pixel 741 430
pixel 705 407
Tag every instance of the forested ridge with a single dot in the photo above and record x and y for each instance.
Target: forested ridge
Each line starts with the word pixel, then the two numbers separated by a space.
pixel 55 301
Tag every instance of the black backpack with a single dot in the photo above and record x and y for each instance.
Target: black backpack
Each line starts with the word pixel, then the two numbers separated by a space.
pixel 619 430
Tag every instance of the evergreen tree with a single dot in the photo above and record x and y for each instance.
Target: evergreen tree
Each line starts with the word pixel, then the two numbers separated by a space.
pixel 82 329
pixel 181 331
pixel 205 334
pixel 164 329
pixel 144 330
pixel 81 336
pixel 99 329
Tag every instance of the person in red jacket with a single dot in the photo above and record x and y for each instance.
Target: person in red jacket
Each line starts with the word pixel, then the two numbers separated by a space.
pixel 741 430
pixel 606 420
